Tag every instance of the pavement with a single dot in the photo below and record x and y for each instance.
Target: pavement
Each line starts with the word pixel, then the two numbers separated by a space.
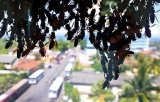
pixel 39 91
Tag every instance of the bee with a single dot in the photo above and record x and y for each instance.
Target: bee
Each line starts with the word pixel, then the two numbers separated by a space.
pixel 152 15
pixel 3 28
pixel 117 35
pixel 82 34
pixel 91 36
pixel 116 68
pixel 138 35
pixel 91 18
pixel 52 42
pixel 95 1
pixel 89 3
pixel 105 84
pixel 46 30
pixel 76 22
pixel 132 21
pixel 75 40
pixel 132 37
pixel 130 53
pixel 101 23
pixel 30 47
pixel 42 50
pixel 19 53
pixel 132 30
pixel 48 16
pixel 43 25
pixel 8 44
pixel 147 30
pixel 116 13
pixel 21 46
pixel 26 52
pixel 112 22
pixel 69 33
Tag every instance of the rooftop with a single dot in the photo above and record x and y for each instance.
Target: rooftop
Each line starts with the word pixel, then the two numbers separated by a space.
pixel 27 64
pixel 5 58
pixel 89 78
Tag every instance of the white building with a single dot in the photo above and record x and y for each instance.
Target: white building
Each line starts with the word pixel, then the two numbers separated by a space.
pixel 140 44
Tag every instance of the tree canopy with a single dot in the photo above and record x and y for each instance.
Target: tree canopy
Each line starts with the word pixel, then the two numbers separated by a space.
pixel 112 25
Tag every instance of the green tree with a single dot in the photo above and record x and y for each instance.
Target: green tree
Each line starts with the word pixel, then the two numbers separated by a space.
pixel 2 67
pixel 155 67
pixel 97 64
pixel 139 89
pixel 125 67
pixel 82 43
pixel 100 95
pixel 72 92
pixel 152 66
pixel 64 45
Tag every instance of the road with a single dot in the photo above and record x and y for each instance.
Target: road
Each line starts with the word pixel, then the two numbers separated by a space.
pixel 39 91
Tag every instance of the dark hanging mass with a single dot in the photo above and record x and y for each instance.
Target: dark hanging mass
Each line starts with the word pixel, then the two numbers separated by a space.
pixel 112 25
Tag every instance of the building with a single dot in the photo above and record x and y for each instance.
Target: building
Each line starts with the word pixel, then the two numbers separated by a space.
pixel 8 60
pixel 27 64
pixel 83 80
pixel 140 44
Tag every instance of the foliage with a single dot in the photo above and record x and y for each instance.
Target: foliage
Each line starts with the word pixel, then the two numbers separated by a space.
pixel 64 45
pixel 139 89
pixel 97 66
pixel 82 43
pixel 72 92
pixel 7 80
pixel 2 48
pixel 100 95
pixel 125 67
pixel 95 57
pixel 2 67
pixel 78 66
pixel 152 66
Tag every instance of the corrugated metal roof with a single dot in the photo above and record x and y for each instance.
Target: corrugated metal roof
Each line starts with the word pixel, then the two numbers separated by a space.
pixel 89 78
pixel 5 58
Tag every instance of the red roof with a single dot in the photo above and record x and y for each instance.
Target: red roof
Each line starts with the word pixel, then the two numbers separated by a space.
pixel 147 52
pixel 27 64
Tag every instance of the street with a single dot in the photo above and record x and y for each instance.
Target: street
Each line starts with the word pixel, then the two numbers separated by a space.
pixel 39 91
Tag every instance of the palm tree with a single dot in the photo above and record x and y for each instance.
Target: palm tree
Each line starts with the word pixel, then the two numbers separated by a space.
pixel 140 88
pixel 151 65
pixel 100 95
pixel 154 69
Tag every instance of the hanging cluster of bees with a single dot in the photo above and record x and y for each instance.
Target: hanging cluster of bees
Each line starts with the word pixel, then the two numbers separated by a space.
pixel 31 23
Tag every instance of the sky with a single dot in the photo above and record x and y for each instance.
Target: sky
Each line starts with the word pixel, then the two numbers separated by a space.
pixel 156 29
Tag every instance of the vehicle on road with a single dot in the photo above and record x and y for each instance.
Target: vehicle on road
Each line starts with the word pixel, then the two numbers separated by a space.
pixel 14 92
pixel 36 76
pixel 68 70
pixel 55 88
pixel 72 60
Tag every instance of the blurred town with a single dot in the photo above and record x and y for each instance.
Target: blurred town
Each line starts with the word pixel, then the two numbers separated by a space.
pixel 69 74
